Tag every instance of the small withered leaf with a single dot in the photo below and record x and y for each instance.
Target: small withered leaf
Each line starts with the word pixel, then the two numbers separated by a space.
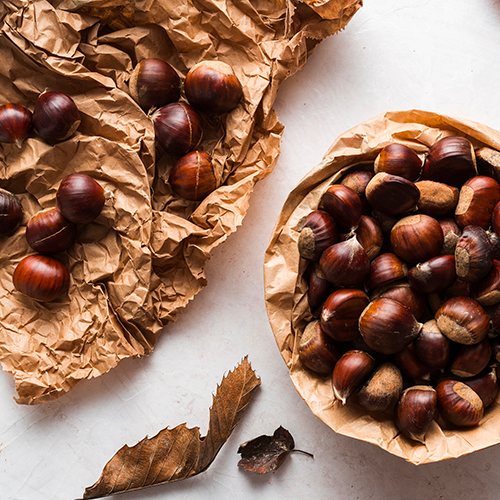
pixel 179 453
pixel 266 453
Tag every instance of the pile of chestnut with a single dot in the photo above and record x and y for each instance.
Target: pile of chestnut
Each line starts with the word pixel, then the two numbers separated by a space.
pixel 210 87
pixel 404 285
pixel 80 198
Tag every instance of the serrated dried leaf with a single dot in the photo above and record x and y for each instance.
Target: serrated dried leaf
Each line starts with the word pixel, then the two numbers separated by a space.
pixel 266 453
pixel 179 453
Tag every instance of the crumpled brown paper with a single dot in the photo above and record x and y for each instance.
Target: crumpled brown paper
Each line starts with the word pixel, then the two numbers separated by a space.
pixel 285 289
pixel 143 259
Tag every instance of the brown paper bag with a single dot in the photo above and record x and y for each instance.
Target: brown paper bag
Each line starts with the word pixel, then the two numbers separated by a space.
pixel 285 289
pixel 143 259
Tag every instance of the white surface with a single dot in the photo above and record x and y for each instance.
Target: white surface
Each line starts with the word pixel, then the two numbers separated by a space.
pixel 394 55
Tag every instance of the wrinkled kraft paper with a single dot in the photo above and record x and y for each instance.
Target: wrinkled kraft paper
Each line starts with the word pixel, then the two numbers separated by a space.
pixel 286 290
pixel 138 265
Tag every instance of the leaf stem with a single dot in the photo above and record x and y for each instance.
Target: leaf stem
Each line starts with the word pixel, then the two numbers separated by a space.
pixel 304 452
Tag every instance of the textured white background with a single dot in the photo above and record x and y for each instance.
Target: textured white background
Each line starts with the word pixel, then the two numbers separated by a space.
pixel 394 55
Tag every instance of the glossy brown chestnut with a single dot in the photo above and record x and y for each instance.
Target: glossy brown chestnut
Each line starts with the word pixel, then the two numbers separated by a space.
pixel 487 290
pixel 398 159
pixel 317 351
pixel 488 162
pixel 463 320
pixel 450 160
pixel 351 370
pixel 478 197
pixel 177 127
pixel 318 231
pixel 485 386
pixel 385 269
pixel 41 278
pixel 213 87
pixel 473 258
pixel 382 390
pixel 50 232
pixel 494 243
pixel 417 238
pixel 434 275
pixel 436 198
pixel 392 194
pixel 387 326
pixel 451 234
pixel 154 82
pixel 411 365
pixel 358 181
pixel 11 212
pixel 318 290
pixel 15 123
pixel 403 292
pixel 432 347
pixel 370 235
pixel 193 176
pixel 56 116
pixel 471 360
pixel 340 313
pixel 80 198
pixel 458 404
pixel 344 205
pixel 415 411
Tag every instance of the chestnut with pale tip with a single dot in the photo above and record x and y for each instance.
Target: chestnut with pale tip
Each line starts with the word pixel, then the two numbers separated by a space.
pixel 11 212
pixel 213 87
pixel 458 404
pixel 344 205
pixel 56 116
pixel 415 411
pixel 451 234
pixel 41 277
pixel 471 360
pixel 318 231
pixel 154 82
pixel 385 269
pixel 473 258
pixel 434 275
pixel 370 235
pixel 436 198
pixel 193 176
pixel 358 180
pixel 398 159
pixel 432 347
pixel 80 198
pixel 15 123
pixel 350 372
pixel 485 386
pixel 487 290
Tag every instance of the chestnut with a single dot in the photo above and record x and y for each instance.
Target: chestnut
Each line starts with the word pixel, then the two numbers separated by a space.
pixel 398 159
pixel 317 351
pixel 488 162
pixel 50 232
pixel 193 176
pixel 417 238
pixel 213 87
pixel 478 197
pixel 80 198
pixel 11 212
pixel 358 180
pixel 411 365
pixel 382 390
pixel 56 116
pixel 451 160
pixel 392 194
pixel 415 411
pixel 495 218
pixel 15 123
pixel 451 234
pixel 154 82
pixel 370 235
pixel 436 198
pixel 345 264
pixel 387 326
pixel 340 313
pixel 458 404
pixel 385 269
pixel 41 277
pixel 318 290
pixel 471 359
pixel 487 290
pixel 432 347
pixel 404 293
pixel 485 386
pixel 494 239
pixel 434 275
pixel 350 371
pixel 473 258
pixel 318 231
pixel 177 127
pixel 344 205
pixel 463 320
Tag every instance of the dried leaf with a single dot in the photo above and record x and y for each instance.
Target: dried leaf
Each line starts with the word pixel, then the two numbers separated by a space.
pixel 267 453
pixel 179 453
